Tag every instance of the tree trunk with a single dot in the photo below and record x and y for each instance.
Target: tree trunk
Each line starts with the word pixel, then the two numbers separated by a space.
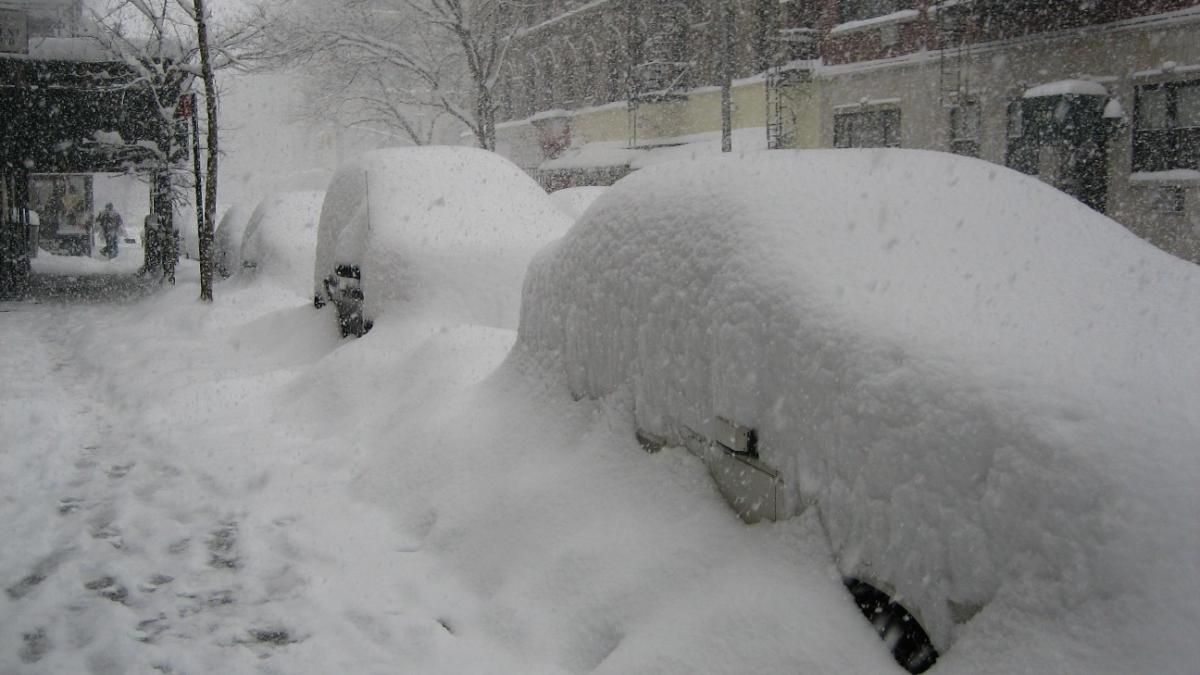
pixel 487 119
pixel 727 30
pixel 198 176
pixel 210 187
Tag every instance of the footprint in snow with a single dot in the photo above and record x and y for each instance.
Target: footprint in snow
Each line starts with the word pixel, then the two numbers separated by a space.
pixel 34 646
pixel 44 568
pixel 118 471
pixel 155 582
pixel 107 587
pixel 150 629
pixel 109 533
pixel 222 546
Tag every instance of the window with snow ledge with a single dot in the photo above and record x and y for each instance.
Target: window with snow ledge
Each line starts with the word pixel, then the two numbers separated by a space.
pixel 866 128
pixel 1166 126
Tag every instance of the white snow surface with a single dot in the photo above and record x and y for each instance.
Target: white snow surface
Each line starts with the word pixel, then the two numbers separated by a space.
pixel 988 394
pixel 230 488
pixel 129 259
pixel 443 227
pixel 1067 87
pixel 573 201
pixel 280 239
pixel 902 16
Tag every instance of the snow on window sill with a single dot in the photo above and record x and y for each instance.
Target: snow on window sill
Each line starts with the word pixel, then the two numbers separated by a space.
pixel 903 16
pixel 867 102
pixel 1174 176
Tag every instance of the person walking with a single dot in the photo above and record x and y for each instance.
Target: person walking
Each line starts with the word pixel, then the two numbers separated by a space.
pixel 110 225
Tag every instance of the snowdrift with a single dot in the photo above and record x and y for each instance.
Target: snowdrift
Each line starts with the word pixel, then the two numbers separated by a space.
pixel 445 229
pixel 989 394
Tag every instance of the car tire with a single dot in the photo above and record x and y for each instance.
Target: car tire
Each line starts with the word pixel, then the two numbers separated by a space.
pixel 906 638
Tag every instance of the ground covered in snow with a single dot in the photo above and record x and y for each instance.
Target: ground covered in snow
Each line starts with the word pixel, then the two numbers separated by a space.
pixel 231 488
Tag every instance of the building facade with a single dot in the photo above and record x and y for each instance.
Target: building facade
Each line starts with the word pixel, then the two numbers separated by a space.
pixel 69 109
pixel 1100 98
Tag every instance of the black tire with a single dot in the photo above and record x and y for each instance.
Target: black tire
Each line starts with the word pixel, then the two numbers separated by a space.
pixel 910 644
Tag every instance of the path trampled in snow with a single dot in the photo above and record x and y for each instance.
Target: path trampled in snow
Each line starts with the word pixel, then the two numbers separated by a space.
pixel 231 488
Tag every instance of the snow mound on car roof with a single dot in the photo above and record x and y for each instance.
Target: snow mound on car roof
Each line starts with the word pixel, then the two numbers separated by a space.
pixel 445 229
pixel 281 237
pixel 990 392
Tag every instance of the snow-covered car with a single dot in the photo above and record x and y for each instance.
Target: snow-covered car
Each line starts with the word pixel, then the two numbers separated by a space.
pixel 227 240
pixel 987 393
pixel 575 200
pixel 281 237
pixel 446 230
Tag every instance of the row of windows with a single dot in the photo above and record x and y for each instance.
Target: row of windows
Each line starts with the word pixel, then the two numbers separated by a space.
pixel 1166 127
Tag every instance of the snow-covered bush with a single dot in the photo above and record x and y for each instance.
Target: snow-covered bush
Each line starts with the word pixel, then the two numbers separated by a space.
pixel 989 393
pixel 281 237
pixel 448 230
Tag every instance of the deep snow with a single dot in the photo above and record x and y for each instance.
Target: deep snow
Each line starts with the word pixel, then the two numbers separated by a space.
pixel 230 488
pixel 989 393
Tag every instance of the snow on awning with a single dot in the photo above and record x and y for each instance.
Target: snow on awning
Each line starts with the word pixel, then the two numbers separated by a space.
pixel 1067 88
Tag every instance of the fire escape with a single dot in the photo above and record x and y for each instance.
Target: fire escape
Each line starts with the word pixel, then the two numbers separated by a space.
pixel 661 73
pixel 796 50
pixel 953 25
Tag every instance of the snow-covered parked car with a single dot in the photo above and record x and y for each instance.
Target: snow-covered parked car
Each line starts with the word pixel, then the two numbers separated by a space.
pixel 987 393
pixel 280 239
pixel 447 230
pixel 573 201
pixel 227 240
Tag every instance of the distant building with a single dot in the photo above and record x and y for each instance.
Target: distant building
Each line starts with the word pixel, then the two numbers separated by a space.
pixel 1100 98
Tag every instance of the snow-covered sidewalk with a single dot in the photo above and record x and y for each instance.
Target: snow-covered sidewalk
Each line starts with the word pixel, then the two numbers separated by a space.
pixel 231 488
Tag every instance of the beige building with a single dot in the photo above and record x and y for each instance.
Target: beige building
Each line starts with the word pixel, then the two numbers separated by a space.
pixel 1099 98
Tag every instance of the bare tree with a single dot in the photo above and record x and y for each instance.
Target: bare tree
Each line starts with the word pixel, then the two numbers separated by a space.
pixel 168 43
pixel 405 65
